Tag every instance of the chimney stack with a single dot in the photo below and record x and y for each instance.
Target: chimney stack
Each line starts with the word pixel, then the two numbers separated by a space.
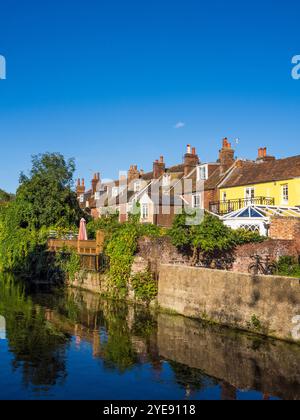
pixel 159 168
pixel 263 156
pixel 191 160
pixel 80 188
pixel 133 173
pixel 95 181
pixel 226 156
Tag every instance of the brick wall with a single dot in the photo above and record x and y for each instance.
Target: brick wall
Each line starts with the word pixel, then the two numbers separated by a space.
pixel 285 228
pixel 161 251
pixel 272 248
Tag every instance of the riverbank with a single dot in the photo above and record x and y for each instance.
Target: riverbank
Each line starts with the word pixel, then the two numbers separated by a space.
pixel 83 346
pixel 264 305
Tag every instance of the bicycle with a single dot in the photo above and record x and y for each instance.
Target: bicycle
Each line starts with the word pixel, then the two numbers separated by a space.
pixel 266 267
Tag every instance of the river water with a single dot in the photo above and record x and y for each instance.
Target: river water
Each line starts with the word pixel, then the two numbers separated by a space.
pixel 70 344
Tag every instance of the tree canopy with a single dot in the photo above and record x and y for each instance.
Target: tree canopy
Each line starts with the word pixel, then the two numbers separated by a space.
pixel 45 197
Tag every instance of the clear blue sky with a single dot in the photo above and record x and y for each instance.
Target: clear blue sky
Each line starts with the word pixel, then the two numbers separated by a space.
pixel 107 81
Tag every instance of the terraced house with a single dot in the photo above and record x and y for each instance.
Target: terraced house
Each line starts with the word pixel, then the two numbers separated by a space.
pixel 266 182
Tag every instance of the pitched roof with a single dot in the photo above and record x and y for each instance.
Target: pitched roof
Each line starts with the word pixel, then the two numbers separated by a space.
pixel 249 172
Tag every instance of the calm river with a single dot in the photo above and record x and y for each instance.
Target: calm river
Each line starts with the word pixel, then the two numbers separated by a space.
pixel 74 345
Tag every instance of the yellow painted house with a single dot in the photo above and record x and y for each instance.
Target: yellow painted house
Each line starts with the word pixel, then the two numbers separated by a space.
pixel 266 181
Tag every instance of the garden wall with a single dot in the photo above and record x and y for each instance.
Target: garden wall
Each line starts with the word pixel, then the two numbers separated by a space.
pixel 268 305
pixel 161 251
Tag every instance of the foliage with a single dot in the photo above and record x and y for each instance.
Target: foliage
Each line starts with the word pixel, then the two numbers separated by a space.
pixel 211 238
pixel 45 197
pixel 5 197
pixel 144 286
pixel 288 266
pixel 44 200
pixel 68 261
pixel 120 250
pixel 242 236
pixel 108 224
pixel 180 232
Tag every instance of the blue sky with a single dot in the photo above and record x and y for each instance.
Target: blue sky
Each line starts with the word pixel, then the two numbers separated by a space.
pixel 107 81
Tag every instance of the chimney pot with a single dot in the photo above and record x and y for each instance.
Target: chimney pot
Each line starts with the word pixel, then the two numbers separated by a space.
pixel 82 182
pixel 188 149
pixel 161 159
pixel 194 151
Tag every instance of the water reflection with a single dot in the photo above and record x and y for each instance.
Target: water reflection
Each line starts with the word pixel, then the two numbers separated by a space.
pixel 130 352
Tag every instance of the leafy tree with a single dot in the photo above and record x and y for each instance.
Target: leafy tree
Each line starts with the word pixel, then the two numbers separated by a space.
pixel 45 198
pixel 210 238
pixel 5 197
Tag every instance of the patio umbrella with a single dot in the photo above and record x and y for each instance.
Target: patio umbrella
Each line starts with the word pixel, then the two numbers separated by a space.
pixel 82 231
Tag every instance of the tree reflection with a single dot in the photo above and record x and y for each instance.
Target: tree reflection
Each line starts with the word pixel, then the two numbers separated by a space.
pixel 38 347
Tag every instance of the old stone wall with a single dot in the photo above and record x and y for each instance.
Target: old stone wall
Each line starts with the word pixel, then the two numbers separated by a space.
pixel 266 305
pixel 274 249
pixel 92 281
pixel 161 251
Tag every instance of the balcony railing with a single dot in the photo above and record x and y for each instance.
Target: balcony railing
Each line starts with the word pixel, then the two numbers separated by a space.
pixel 224 207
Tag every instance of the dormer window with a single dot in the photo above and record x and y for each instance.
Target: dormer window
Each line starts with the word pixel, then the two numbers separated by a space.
pixel 97 195
pixel 202 173
pixel 81 198
pixel 166 180
pixel 114 192
pixel 137 186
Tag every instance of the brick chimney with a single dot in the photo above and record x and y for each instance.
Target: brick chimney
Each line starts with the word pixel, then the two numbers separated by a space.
pixel 133 173
pixel 95 181
pixel 80 188
pixel 263 155
pixel 159 168
pixel 226 156
pixel 191 159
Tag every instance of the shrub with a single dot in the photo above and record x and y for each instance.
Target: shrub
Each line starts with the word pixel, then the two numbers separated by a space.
pixel 144 286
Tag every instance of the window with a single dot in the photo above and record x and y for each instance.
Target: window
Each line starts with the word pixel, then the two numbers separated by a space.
pixel 196 201
pixel 97 195
pixel 115 191
pixel 250 193
pixel 202 173
pixel 285 193
pixel 81 198
pixel 251 228
pixel 145 211
pixel 224 196
pixel 166 180
pixel 137 186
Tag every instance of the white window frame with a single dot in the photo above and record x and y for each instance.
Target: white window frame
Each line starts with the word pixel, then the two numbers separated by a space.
pixel 145 211
pixel 114 192
pixel 166 180
pixel 202 173
pixel 137 186
pixel 81 198
pixel 285 193
pixel 196 201
pixel 252 194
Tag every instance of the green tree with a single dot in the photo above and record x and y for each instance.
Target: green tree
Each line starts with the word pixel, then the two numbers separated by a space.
pixel 5 197
pixel 211 238
pixel 45 197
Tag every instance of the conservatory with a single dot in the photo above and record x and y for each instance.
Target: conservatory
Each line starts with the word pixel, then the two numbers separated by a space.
pixel 256 218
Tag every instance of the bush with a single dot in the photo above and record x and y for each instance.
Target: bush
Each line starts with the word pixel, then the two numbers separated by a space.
pixel 288 266
pixel 144 286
